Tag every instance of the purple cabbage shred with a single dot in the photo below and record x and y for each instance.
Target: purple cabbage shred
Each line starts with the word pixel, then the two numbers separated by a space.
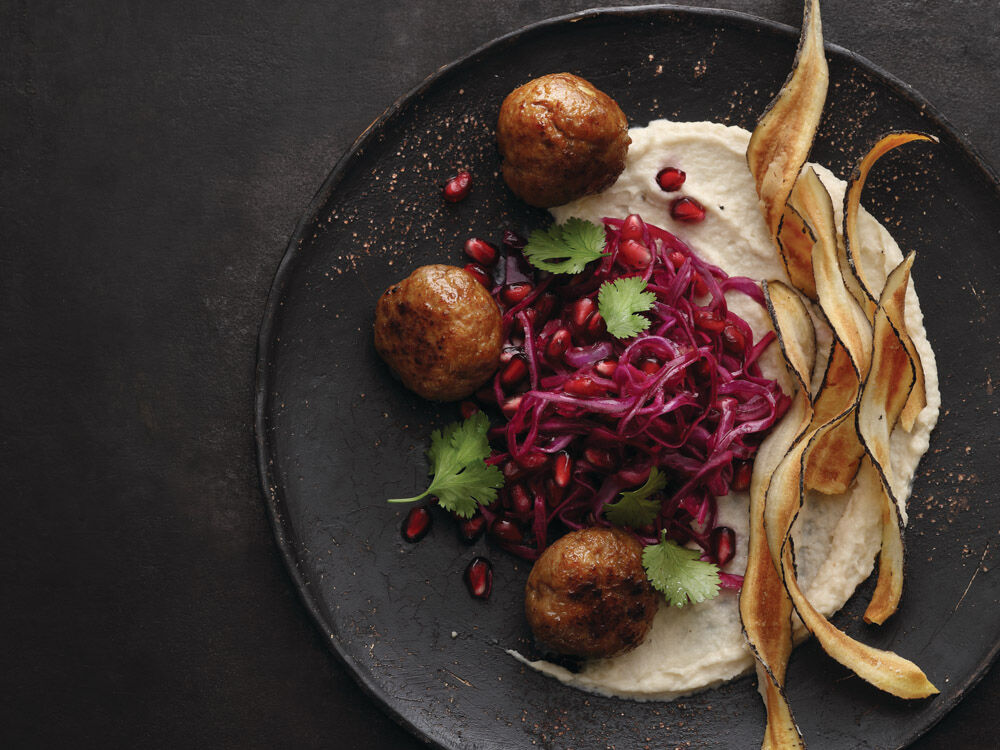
pixel 590 420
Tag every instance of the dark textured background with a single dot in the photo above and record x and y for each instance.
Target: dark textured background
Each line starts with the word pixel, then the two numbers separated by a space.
pixel 154 158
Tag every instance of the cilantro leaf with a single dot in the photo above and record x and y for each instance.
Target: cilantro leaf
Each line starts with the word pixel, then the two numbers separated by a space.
pixel 464 492
pixel 635 509
pixel 565 248
pixel 461 479
pixel 678 574
pixel 460 443
pixel 619 303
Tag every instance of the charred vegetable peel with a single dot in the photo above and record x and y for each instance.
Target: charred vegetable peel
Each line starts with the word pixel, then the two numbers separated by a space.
pixel 885 391
pixel 833 443
pixel 842 311
pixel 883 669
pixel 866 387
pixel 838 452
pixel 765 609
pixel 826 447
pixel 783 137
pixel 891 374
pixel 795 244
pixel 852 205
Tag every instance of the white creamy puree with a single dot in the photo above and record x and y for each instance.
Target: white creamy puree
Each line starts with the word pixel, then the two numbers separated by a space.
pixel 837 538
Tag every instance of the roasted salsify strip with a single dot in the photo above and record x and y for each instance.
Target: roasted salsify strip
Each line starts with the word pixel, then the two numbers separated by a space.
pixel 873 376
pixel 765 608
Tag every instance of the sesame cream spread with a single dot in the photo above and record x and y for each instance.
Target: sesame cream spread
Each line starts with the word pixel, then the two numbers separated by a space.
pixel 836 537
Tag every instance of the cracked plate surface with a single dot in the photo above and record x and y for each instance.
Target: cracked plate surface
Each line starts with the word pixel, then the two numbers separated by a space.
pixel 336 435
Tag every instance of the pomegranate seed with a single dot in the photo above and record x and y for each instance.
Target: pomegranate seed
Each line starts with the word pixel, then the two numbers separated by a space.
pixel 700 287
pixel 512 472
pixel 733 339
pixel 707 320
pixel 515 371
pixel 723 542
pixel 510 406
pixel 563 469
pixel 741 477
pixel 606 367
pixel 583 308
pixel 543 308
pixel 635 254
pixel 583 386
pixel 468 409
pixel 633 228
pixel 670 179
pixel 676 258
pixel 596 326
pixel 479 577
pixel 513 240
pixel 570 412
pixel 650 365
pixel 516 292
pixel 470 529
pixel 480 274
pixel 457 188
pixel 416 524
pixel 687 210
pixel 481 251
pixel 506 531
pixel 634 476
pixel 558 345
pixel 599 457
pixel 520 500
pixel 532 460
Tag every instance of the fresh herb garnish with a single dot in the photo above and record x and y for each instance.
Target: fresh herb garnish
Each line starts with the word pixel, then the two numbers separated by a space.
pixel 565 248
pixel 678 574
pixel 619 303
pixel 462 480
pixel 635 509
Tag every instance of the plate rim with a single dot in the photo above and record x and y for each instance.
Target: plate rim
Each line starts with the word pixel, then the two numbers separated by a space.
pixel 265 337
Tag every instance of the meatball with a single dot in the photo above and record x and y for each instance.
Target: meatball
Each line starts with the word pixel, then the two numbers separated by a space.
pixel 560 139
pixel 440 332
pixel 588 594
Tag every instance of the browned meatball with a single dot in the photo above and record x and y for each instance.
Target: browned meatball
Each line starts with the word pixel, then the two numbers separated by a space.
pixel 561 139
pixel 439 330
pixel 588 595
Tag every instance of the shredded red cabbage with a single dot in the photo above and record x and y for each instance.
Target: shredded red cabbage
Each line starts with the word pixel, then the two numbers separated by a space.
pixel 587 422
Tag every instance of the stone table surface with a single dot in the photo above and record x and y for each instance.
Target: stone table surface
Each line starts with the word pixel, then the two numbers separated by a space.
pixel 154 159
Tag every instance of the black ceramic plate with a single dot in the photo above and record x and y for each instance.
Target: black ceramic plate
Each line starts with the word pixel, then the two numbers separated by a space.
pixel 337 435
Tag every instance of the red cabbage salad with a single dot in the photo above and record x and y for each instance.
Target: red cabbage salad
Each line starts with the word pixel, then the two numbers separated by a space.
pixel 643 429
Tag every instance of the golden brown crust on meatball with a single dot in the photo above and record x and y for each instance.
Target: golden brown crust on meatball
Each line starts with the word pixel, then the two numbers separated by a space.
pixel 440 332
pixel 588 594
pixel 560 138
